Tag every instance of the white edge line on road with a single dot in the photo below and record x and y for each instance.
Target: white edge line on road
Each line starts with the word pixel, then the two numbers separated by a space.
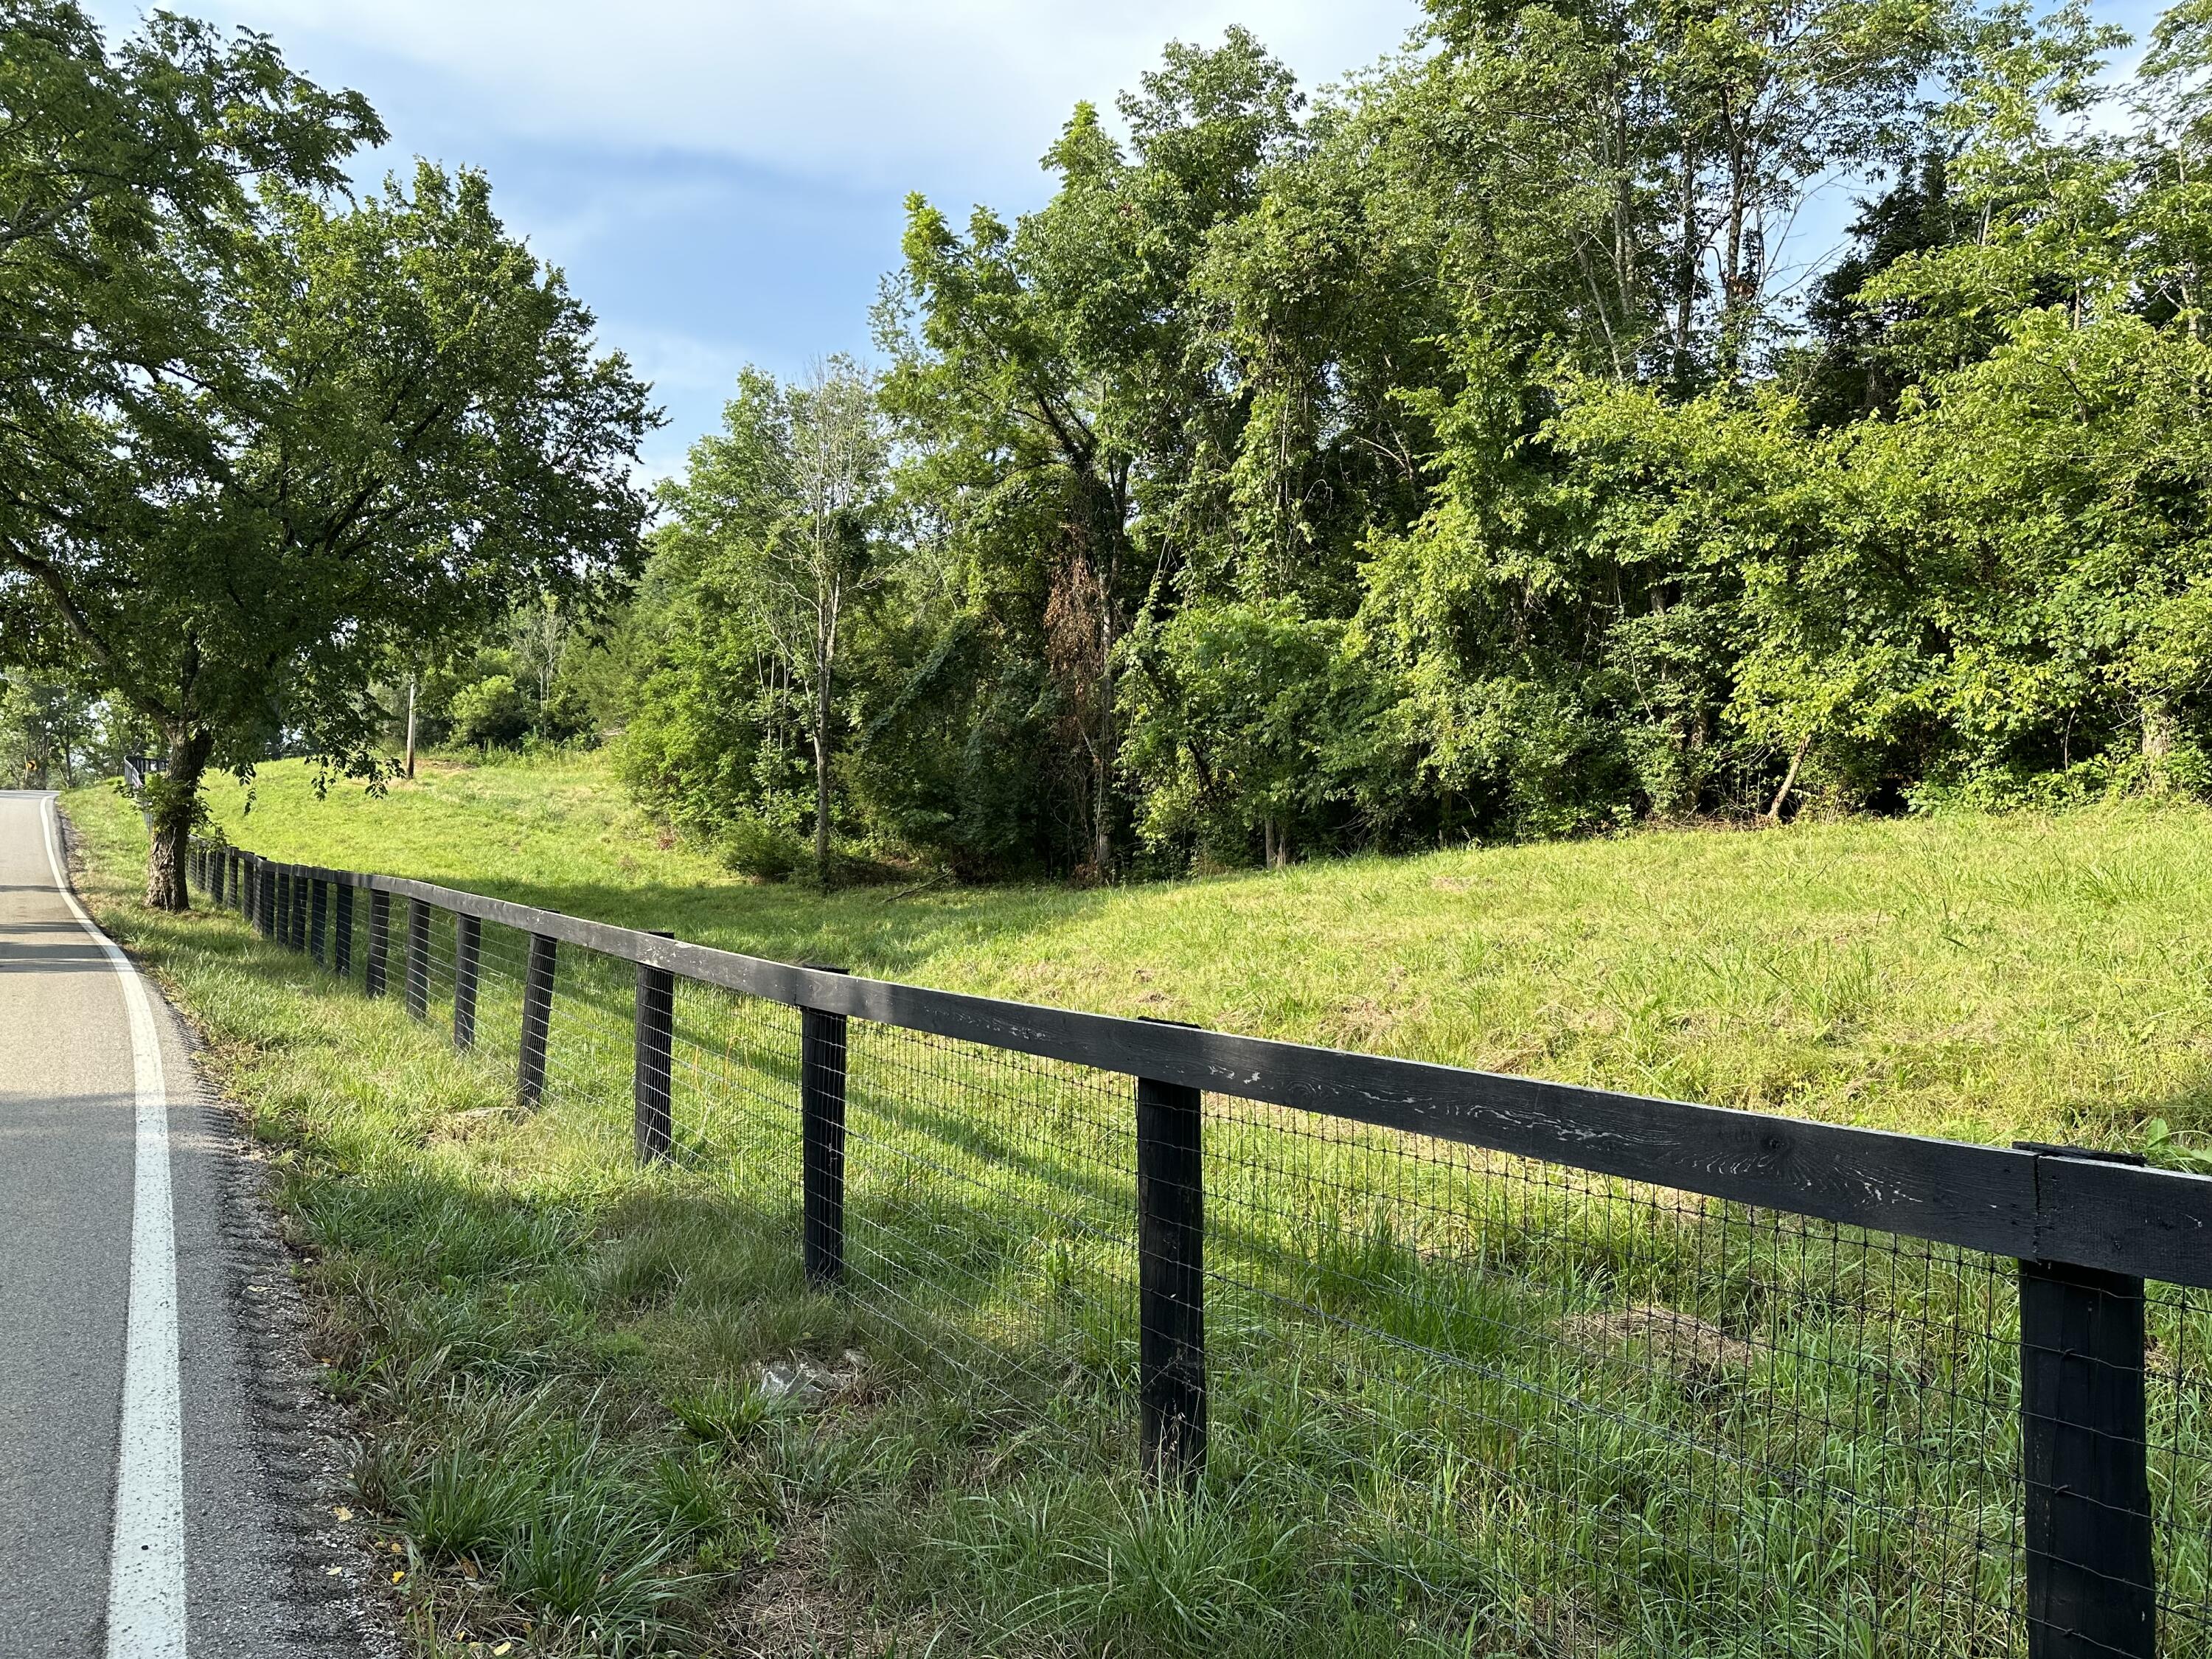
pixel 146 1561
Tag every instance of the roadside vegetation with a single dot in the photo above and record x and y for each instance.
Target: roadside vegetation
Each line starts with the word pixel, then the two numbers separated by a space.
pixel 1477 446
pixel 1314 473
pixel 562 1362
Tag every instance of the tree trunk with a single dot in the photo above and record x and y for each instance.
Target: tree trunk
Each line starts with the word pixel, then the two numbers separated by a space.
pixel 2160 728
pixel 411 679
pixel 1788 779
pixel 822 779
pixel 1685 276
pixel 172 801
pixel 1101 800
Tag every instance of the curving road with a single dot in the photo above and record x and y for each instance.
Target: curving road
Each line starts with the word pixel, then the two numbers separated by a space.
pixel 149 1502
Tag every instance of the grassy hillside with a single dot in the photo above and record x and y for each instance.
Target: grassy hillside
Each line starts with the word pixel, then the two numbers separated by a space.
pixel 1460 1405
pixel 1986 977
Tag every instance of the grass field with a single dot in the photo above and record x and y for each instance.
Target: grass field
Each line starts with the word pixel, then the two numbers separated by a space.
pixel 2043 977
pixel 1462 1405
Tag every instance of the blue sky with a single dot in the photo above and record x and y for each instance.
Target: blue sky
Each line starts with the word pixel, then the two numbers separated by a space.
pixel 724 182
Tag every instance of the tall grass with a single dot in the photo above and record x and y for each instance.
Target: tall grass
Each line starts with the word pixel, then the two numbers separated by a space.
pixel 1463 1404
pixel 1986 977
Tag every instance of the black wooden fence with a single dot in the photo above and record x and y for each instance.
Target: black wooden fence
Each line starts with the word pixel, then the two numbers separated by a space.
pixel 1754 1383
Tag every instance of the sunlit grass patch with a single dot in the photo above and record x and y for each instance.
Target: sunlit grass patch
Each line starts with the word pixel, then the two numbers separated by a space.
pixel 1461 1405
pixel 1992 977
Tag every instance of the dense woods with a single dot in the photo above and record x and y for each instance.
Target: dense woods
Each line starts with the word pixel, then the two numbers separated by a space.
pixel 1469 450
pixel 1488 445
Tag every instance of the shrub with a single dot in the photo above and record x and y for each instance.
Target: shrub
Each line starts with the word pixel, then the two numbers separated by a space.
pixel 753 846
pixel 491 713
pixel 565 716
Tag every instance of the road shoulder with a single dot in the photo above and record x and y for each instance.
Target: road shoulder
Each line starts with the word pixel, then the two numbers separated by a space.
pixel 272 1568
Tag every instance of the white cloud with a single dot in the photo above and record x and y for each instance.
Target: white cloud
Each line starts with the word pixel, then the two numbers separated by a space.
pixel 871 92
pixel 723 180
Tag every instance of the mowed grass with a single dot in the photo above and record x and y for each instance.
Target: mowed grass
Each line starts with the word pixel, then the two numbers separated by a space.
pixel 1984 977
pixel 1460 1405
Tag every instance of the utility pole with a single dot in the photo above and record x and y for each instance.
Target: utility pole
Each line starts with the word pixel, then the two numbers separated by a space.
pixel 411 677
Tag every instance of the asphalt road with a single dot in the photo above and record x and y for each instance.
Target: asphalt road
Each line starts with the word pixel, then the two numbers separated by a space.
pixel 158 1489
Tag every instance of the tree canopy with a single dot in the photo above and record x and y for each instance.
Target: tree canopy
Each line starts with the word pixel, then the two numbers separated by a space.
pixel 272 439
pixel 1465 449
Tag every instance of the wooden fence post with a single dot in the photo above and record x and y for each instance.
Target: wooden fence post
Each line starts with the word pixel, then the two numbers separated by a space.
pixel 2090 1581
pixel 297 938
pixel 822 1135
pixel 265 898
pixel 651 1071
pixel 280 889
pixel 380 942
pixel 218 871
pixel 319 915
pixel 1172 1280
pixel 537 1021
pixel 342 932
pixel 468 952
pixel 418 958
pixel 2092 1576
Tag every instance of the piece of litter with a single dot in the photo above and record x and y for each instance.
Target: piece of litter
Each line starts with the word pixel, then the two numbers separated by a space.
pixel 342 1513
pixel 332 1573
pixel 803 1382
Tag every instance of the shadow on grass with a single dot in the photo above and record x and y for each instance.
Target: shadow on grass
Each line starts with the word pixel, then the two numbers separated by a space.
pixel 1459 1406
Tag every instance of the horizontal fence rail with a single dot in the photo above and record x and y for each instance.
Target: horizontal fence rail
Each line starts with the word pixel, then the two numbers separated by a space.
pixel 1673 1377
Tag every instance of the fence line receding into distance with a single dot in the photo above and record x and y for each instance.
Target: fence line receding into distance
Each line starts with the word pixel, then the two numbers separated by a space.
pixel 1600 1373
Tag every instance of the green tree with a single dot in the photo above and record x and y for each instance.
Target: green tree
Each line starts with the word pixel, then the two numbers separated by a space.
pixel 127 189
pixel 45 727
pixel 1230 716
pixel 782 515
pixel 491 713
pixel 1050 379
pixel 401 435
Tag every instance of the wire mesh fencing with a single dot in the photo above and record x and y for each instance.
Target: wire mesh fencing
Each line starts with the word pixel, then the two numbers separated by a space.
pixel 1614 1414
pixel 989 1214
pixel 1593 1415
